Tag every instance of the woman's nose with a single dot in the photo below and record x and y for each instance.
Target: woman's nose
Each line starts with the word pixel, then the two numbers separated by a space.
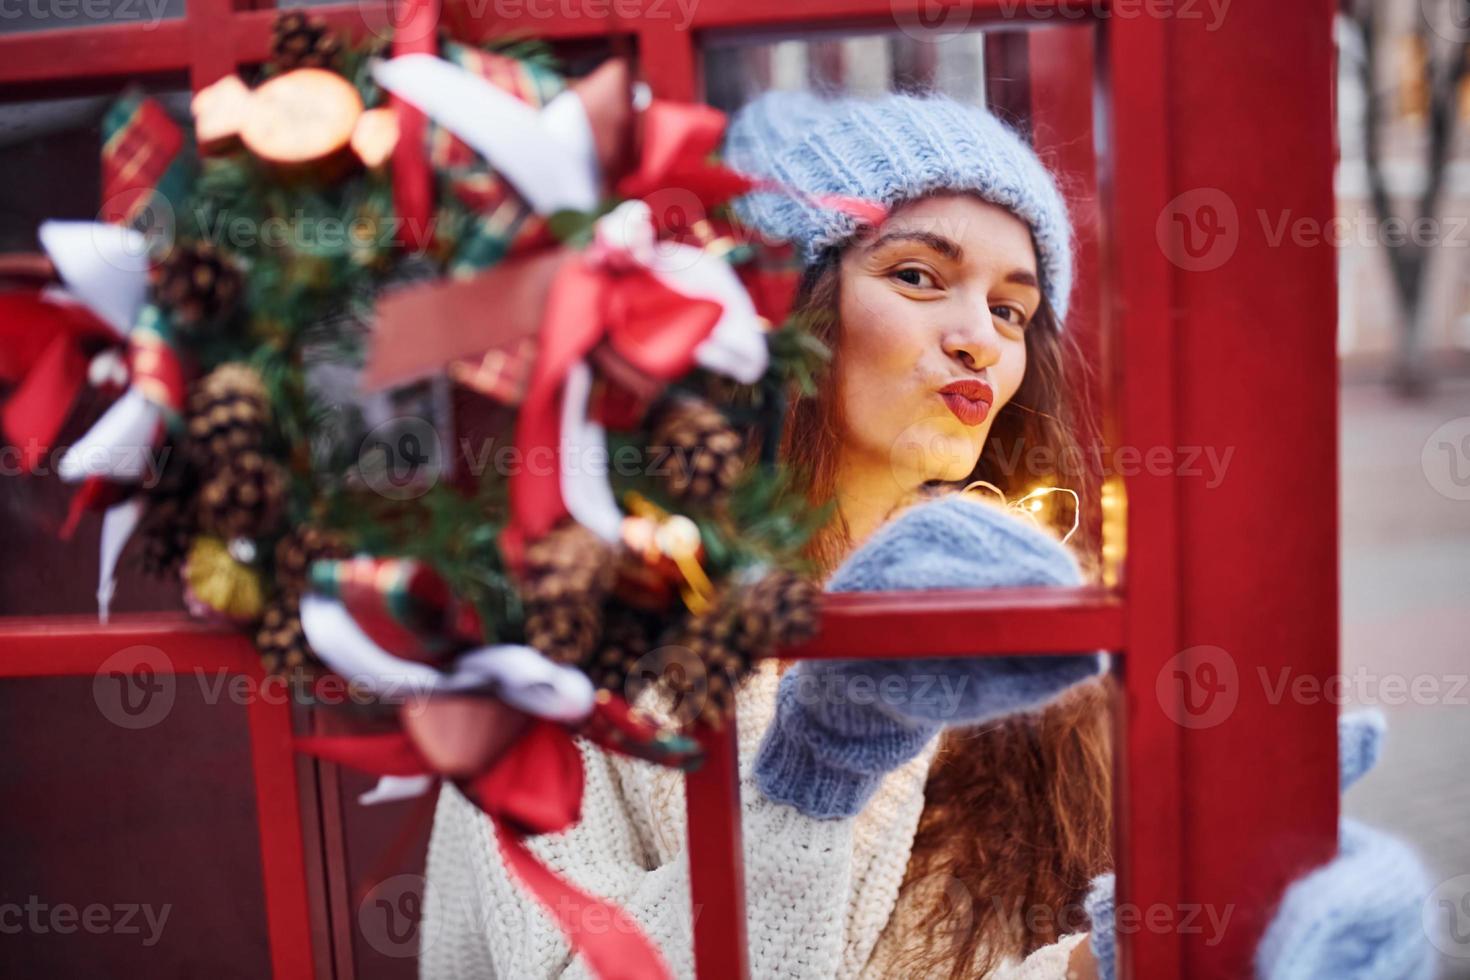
pixel 975 344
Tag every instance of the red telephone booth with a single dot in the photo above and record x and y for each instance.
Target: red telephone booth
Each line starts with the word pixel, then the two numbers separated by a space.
pixel 1182 136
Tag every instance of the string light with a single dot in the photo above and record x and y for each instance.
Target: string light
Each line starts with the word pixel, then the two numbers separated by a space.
pixel 1030 504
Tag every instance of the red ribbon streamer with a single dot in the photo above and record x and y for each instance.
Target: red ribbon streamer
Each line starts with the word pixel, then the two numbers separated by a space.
pixel 536 787
pixel 416 32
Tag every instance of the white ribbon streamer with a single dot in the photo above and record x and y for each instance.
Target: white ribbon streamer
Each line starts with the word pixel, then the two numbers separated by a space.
pixel 519 675
pixel 335 637
pixel 524 679
pixel 119 445
pixel 390 789
pixel 118 525
pixel 105 266
pixel 584 460
pixel 548 156
pixel 737 346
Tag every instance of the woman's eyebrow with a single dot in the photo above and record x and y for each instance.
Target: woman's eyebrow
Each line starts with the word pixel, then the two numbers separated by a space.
pixel 1023 278
pixel 944 246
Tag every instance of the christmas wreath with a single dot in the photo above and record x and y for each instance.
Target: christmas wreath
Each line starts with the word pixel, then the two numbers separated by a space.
pixel 523 260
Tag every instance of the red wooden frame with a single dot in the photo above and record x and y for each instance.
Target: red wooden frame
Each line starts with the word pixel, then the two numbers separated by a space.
pixel 1238 357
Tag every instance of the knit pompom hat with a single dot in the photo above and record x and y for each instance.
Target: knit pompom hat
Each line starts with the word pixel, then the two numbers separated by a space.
pixel 890 150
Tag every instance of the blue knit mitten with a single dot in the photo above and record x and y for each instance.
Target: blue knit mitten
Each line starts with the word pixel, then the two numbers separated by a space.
pixel 1354 918
pixel 840 726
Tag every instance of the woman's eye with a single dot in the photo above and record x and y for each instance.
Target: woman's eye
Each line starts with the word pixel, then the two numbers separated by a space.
pixel 917 278
pixel 1009 314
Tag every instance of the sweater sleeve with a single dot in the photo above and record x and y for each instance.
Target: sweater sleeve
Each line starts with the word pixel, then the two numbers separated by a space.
pixel 841 725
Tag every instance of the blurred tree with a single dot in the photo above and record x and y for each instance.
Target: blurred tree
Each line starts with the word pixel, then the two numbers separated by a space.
pixel 1432 67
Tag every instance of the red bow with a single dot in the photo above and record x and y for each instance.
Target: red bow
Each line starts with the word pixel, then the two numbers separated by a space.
pixel 535 788
pixel 653 327
pixel 45 347
pixel 677 141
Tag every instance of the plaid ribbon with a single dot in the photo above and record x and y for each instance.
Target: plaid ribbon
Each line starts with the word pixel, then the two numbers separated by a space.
pixel 402 604
pixel 142 156
pixel 501 374
pixel 154 364
pixel 502 221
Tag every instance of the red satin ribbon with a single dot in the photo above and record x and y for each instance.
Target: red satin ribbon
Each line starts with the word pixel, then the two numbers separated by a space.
pixel 43 352
pixel 416 32
pixel 653 327
pixel 675 143
pixel 535 788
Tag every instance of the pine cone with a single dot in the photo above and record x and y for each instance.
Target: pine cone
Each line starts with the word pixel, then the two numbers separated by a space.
pixel 228 411
pixel 244 499
pixel 281 641
pixel 704 681
pixel 299 41
pixel 780 610
pixel 627 637
pixel 171 522
pixel 705 454
pixel 569 573
pixel 297 550
pixel 197 284
pixel 168 531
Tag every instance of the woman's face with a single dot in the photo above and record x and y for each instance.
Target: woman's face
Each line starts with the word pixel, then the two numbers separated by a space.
pixel 934 310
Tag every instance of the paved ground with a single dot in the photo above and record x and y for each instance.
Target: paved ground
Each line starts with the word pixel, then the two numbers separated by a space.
pixel 1406 612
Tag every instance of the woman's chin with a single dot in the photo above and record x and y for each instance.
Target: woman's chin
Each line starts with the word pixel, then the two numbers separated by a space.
pixel 937 450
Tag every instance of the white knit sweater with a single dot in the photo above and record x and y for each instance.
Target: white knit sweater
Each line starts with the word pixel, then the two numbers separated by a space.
pixel 821 894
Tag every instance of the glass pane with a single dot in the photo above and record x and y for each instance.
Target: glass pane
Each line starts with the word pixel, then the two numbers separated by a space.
pixel 49 168
pixel 53 15
pixel 1037 784
pixel 1040 83
pixel 130 844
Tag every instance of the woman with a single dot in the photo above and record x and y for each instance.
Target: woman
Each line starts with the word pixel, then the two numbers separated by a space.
pixel 946 326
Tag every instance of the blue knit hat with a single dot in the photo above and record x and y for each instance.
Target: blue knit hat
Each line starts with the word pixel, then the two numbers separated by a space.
pixel 891 150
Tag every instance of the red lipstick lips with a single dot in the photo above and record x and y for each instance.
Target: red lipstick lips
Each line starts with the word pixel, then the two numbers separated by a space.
pixel 969 400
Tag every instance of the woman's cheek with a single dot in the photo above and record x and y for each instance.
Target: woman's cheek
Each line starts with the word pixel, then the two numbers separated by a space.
pixel 882 330
pixel 883 346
